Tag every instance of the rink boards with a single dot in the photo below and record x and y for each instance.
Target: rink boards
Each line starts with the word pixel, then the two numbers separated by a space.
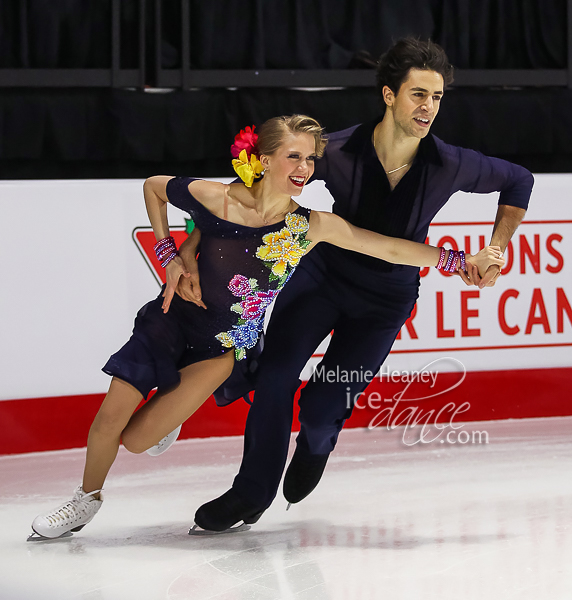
pixel 78 265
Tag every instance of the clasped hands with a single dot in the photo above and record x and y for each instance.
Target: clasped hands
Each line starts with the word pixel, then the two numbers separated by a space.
pixel 483 269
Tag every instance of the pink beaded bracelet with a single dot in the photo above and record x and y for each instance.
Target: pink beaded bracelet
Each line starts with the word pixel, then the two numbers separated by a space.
pixel 169 259
pixel 455 259
pixel 166 250
pixel 441 258
pixel 167 242
pixel 452 255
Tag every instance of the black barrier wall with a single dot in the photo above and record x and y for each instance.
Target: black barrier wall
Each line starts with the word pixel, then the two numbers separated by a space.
pixel 77 76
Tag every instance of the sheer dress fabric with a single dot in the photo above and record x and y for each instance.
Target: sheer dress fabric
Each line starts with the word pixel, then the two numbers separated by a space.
pixel 242 270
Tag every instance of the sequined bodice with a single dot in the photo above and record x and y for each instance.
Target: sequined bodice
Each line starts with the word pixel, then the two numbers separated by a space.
pixel 242 268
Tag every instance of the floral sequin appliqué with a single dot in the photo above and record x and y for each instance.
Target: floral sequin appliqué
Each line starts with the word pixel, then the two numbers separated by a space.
pixel 281 252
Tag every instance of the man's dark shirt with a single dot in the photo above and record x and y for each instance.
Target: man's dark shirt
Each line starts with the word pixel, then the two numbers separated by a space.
pixel 380 208
pixel 439 170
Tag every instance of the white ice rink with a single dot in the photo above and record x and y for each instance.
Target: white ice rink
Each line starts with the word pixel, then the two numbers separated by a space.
pixel 429 521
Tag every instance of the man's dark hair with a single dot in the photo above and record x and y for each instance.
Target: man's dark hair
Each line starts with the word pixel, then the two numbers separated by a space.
pixel 411 53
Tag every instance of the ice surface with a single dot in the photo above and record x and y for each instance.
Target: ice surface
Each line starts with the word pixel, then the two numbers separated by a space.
pixel 389 520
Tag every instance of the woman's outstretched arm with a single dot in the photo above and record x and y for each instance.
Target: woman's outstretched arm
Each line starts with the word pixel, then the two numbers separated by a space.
pixel 327 227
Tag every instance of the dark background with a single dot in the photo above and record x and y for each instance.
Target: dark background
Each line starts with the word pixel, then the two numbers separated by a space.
pixel 92 132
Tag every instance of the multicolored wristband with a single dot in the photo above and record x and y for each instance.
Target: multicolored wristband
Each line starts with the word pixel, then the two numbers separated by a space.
pixel 455 259
pixel 441 258
pixel 451 260
pixel 166 250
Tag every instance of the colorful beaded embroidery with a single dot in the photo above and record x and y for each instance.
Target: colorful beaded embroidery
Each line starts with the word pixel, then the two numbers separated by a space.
pixel 281 252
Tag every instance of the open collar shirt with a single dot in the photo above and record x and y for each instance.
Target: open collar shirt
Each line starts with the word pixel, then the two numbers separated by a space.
pixel 439 171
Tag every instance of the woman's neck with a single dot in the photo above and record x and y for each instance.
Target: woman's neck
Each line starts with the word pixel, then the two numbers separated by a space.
pixel 269 203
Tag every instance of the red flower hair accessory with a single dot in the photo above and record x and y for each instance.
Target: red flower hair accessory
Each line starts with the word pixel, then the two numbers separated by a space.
pixel 245 161
pixel 245 140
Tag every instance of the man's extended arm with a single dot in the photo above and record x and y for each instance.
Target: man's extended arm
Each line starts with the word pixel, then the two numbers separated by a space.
pixel 506 223
pixel 483 174
pixel 507 220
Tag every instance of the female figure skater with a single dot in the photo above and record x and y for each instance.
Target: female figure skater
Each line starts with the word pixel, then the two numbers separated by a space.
pixel 253 235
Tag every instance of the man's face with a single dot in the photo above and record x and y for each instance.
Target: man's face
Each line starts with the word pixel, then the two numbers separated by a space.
pixel 417 102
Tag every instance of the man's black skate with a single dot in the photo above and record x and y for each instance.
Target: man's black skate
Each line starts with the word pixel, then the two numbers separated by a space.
pixel 303 475
pixel 222 514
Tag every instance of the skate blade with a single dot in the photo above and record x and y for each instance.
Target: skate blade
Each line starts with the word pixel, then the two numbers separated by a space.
pixel 289 505
pixel 196 530
pixel 36 537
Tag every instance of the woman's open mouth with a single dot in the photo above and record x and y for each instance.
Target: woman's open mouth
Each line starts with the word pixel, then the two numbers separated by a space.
pixel 298 181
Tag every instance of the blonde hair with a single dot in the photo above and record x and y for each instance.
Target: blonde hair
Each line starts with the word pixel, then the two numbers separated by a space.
pixel 271 133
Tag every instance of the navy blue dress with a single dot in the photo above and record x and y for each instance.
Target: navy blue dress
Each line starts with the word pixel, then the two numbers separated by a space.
pixel 242 270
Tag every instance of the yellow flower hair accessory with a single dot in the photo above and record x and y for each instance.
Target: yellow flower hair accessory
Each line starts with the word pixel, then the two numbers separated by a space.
pixel 245 161
pixel 247 170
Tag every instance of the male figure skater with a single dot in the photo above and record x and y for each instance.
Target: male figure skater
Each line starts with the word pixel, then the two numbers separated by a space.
pixel 390 176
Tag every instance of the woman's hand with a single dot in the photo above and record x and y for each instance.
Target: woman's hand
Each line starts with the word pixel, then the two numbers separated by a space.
pixel 173 271
pixel 190 288
pixel 483 268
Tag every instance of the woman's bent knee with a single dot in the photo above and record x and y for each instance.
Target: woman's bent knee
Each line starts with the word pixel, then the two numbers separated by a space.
pixel 133 443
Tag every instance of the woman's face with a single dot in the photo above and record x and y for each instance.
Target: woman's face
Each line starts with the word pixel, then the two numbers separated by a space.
pixel 289 168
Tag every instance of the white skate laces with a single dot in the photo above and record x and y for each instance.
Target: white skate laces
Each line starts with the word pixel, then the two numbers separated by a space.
pixel 69 516
pixel 165 443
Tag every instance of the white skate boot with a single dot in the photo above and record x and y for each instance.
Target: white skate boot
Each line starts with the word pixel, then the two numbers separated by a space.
pixel 165 443
pixel 69 516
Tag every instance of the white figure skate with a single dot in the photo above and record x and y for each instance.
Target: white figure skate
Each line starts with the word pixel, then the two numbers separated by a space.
pixel 69 517
pixel 165 443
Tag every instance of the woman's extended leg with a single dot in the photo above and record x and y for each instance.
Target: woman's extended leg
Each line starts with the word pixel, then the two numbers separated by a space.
pixel 115 421
pixel 167 410
pixel 103 443
pixel 105 433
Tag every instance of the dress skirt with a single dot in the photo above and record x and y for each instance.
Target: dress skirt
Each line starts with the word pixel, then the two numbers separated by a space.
pixel 162 344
